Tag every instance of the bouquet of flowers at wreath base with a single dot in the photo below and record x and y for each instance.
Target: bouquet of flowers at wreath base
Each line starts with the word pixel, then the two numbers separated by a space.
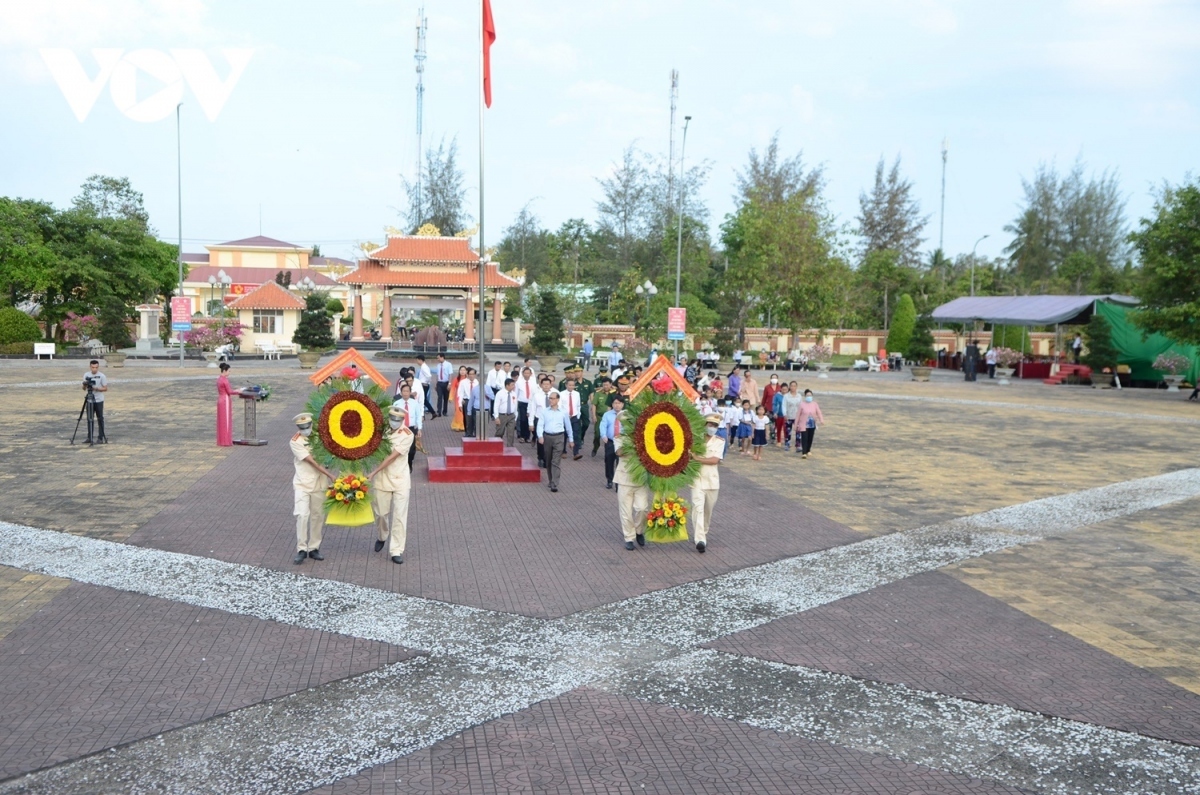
pixel 666 521
pixel 348 502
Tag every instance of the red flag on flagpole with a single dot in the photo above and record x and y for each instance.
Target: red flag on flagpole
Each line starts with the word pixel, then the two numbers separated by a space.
pixel 489 36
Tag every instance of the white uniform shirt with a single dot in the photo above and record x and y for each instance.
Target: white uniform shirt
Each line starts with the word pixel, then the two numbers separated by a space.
pixel 526 388
pixel 536 405
pixel 495 381
pixel 395 476
pixel 465 386
pixel 307 477
pixel 709 477
pixel 570 402
pixel 505 403
pixel 424 374
pixel 418 392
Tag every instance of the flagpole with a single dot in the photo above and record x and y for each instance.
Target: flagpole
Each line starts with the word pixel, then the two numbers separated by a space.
pixel 480 425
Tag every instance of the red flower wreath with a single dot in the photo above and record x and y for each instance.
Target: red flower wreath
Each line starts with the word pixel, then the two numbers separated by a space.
pixel 664 454
pixel 352 432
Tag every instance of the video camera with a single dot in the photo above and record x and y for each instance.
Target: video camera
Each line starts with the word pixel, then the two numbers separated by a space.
pixel 89 381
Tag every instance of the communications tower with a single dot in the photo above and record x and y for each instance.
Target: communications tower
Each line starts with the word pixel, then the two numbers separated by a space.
pixel 422 25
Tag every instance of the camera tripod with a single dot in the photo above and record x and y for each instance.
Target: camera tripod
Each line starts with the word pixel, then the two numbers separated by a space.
pixel 89 408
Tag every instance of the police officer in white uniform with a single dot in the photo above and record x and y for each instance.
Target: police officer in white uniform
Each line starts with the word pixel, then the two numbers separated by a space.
pixel 308 486
pixel 393 483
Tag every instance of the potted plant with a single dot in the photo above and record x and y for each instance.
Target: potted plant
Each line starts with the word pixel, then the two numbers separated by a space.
pixel 313 334
pixel 113 332
pixel 546 342
pixel 821 356
pixel 1172 365
pixel 920 349
pixel 1101 354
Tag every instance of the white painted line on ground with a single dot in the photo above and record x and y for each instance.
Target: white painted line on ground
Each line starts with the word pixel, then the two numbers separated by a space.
pixel 1023 749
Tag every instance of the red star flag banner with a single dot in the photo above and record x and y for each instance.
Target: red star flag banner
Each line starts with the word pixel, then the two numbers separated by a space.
pixel 489 37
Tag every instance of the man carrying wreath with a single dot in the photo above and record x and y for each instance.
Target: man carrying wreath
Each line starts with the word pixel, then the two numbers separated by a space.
pixel 308 486
pixel 707 483
pixel 392 480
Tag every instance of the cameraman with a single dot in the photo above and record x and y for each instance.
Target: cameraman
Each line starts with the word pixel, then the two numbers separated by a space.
pixel 96 382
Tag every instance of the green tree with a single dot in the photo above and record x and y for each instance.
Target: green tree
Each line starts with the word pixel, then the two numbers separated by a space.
pixel 1168 245
pixel 314 331
pixel 1015 337
pixel 526 246
pixel 889 218
pixel 438 197
pixel 16 326
pixel 334 306
pixel 112 197
pixel 900 334
pixel 1101 352
pixel 547 336
pixel 113 331
pixel 27 263
pixel 920 345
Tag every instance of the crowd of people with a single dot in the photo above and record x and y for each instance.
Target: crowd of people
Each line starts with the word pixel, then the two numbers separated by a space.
pixel 526 406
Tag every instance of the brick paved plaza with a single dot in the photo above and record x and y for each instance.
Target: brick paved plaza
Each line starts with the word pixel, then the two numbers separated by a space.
pixel 967 588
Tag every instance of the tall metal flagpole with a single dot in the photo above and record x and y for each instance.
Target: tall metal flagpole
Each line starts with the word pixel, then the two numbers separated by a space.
pixel 179 198
pixel 480 425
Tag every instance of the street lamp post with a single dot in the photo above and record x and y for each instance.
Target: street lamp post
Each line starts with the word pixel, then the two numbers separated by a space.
pixel 225 283
pixel 679 239
pixel 179 199
pixel 977 242
pixel 212 293
pixel 648 290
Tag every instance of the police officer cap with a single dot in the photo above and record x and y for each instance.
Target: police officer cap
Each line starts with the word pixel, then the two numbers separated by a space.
pixel 398 413
pixel 303 418
pixel 713 418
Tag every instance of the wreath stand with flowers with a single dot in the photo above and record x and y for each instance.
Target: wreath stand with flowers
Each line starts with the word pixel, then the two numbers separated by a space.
pixel 660 429
pixel 350 424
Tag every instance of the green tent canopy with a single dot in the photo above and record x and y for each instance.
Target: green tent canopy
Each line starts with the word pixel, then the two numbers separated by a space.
pixel 1139 352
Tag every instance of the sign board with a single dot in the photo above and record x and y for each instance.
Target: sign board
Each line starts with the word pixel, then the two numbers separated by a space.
pixel 238 290
pixel 181 313
pixel 676 323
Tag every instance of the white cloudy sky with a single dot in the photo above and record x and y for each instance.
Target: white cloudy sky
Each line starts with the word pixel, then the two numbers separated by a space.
pixel 320 126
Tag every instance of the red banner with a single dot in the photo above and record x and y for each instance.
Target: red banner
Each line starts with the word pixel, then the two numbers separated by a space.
pixel 489 37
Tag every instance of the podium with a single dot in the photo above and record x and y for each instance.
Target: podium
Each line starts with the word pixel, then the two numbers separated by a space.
pixel 250 400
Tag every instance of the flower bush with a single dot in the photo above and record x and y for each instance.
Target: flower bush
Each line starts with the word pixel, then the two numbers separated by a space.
pixel 210 336
pixel 1171 363
pixel 1007 357
pixel 820 353
pixel 80 327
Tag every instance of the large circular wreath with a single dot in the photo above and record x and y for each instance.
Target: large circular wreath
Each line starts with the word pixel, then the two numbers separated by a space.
pixel 350 425
pixel 665 433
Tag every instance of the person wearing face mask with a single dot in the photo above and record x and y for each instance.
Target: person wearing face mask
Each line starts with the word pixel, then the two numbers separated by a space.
pixel 392 480
pixel 808 417
pixel 768 400
pixel 308 486
pixel 707 483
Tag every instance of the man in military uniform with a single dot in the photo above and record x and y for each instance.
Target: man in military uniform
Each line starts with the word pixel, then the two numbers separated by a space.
pixel 393 482
pixel 707 483
pixel 633 499
pixel 308 486
pixel 597 404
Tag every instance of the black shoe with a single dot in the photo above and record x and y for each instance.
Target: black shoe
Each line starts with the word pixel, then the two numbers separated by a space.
pixel 578 456
pixel 700 547
pixel 554 488
pixel 641 539
pixel 378 545
pixel 608 485
pixel 397 558
pixel 315 554
pixel 593 454
pixel 629 545
pixel 300 556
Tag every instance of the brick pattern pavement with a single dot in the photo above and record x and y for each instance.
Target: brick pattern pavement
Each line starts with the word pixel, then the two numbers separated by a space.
pixel 587 741
pixel 933 633
pixel 516 548
pixel 97 667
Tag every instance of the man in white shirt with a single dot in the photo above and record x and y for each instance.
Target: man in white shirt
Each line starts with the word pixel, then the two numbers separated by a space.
pixel 614 358
pixel 425 377
pixel 445 373
pixel 494 384
pixel 571 402
pixel 536 405
pixel 504 410
pixel 468 391
pixel 525 388
pixel 414 418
